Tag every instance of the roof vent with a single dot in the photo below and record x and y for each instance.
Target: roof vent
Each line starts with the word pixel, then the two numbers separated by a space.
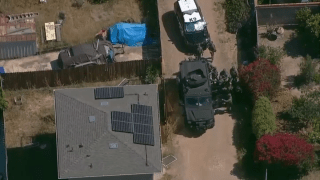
pixel 104 103
pixel 92 119
pixel 113 145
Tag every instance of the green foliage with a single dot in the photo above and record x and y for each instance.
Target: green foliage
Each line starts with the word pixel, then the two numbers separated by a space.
pixel 313 23
pixel 306 109
pixel 237 13
pixel 151 74
pixel 302 16
pixel 263 118
pixel 3 102
pixel 274 55
pixel 307 71
pixel 316 78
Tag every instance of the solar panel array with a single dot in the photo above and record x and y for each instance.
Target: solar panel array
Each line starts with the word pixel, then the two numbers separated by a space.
pixel 139 122
pixel 109 93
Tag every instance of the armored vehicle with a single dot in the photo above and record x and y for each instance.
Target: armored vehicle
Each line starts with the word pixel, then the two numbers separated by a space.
pixel 196 94
pixel 101 52
pixel 193 26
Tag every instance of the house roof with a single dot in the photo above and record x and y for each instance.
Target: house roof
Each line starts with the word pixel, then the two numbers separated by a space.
pixel 83 147
pixel 10 50
pixel 3 150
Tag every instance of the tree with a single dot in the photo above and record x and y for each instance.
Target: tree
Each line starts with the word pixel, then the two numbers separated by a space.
pixel 263 118
pixel 260 78
pixel 237 13
pixel 282 148
pixel 302 16
pixel 3 102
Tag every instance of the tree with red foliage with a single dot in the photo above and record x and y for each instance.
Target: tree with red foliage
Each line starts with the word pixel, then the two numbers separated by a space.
pixel 285 149
pixel 261 78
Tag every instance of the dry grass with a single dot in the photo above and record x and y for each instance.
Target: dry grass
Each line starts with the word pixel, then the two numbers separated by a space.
pixel 315 175
pixel 282 101
pixel 81 24
pixel 35 115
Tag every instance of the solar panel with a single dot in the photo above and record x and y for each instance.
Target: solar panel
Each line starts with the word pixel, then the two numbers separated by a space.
pixel 121 126
pixel 142 119
pixel 121 116
pixel 143 129
pixel 109 93
pixel 143 139
pixel 141 109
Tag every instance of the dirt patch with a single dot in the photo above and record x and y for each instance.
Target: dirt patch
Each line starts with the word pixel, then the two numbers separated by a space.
pixel 81 24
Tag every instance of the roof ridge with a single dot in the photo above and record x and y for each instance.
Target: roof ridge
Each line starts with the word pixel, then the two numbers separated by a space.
pixel 89 148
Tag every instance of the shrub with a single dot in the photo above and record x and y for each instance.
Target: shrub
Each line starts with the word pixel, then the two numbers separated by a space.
pixel 3 102
pixel 97 1
pixel 306 109
pixel 263 118
pixel 285 149
pixel 151 74
pixel 78 3
pixel 307 71
pixel 260 78
pixel 274 55
pixel 237 13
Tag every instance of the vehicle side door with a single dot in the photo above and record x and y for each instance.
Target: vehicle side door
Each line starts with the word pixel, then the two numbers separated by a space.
pixel 179 17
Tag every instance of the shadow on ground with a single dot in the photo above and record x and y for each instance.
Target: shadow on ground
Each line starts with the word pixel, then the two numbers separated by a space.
pixel 54 65
pixel 34 163
pixel 172 28
pixel 294 46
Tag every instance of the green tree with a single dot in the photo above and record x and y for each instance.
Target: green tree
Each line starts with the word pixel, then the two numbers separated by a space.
pixel 263 118
pixel 3 102
pixel 237 13
pixel 313 24
pixel 302 16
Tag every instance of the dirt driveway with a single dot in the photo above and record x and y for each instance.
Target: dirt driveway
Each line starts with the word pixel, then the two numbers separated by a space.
pixel 211 155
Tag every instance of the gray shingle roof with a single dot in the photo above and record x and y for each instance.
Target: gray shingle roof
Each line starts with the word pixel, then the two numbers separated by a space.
pixel 83 147
pixel 18 49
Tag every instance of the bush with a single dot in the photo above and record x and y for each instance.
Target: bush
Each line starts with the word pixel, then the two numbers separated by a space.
pixel 78 3
pixel 151 74
pixel 3 102
pixel 307 71
pixel 263 118
pixel 260 78
pixel 306 109
pixel 237 13
pixel 284 149
pixel 274 55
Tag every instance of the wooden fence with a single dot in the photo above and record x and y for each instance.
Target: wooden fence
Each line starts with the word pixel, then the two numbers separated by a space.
pixel 53 78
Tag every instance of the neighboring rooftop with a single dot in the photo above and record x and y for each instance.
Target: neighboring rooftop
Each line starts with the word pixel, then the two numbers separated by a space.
pixel 17 35
pixel 89 146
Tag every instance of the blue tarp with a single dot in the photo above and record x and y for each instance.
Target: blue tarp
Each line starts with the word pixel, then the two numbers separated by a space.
pixel 131 34
pixel 2 70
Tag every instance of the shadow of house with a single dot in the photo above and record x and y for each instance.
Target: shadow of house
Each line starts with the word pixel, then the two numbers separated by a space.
pixel 3 150
pixel 172 28
pixel 34 163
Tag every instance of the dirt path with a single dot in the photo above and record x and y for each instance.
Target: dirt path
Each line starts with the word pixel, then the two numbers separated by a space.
pixel 212 155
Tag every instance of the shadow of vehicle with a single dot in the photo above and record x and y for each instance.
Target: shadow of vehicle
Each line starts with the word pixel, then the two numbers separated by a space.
pixel 55 65
pixel 172 28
